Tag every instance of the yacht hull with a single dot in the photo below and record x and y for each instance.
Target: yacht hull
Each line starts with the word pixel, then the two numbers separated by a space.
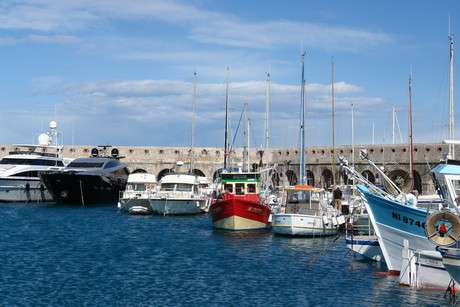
pixel 24 191
pixel 82 189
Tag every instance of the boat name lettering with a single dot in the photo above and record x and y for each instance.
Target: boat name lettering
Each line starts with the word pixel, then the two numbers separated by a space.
pixel 407 220
pixel 254 210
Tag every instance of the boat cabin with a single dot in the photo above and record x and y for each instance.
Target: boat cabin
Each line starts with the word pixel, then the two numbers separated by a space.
pixel 240 184
pixel 303 200
pixel 141 182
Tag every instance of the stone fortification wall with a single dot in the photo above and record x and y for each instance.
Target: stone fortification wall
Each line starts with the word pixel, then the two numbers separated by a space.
pixel 318 160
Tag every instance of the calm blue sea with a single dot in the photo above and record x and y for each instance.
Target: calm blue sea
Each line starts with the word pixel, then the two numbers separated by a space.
pixel 94 256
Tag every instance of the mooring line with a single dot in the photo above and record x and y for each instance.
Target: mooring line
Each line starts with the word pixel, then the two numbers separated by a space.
pixel 324 249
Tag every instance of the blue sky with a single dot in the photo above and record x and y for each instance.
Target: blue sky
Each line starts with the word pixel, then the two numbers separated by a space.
pixel 121 72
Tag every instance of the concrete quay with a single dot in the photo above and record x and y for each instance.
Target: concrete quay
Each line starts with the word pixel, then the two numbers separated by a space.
pixel 321 162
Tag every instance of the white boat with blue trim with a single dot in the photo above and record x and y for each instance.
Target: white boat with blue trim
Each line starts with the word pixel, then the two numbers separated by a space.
pixel 399 223
pixel 306 211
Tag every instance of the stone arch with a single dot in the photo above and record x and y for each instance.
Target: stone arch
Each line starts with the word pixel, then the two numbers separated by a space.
pixel 163 172
pixel 369 176
pixel 198 172
pixel 417 182
pixel 138 170
pixel 326 179
pixel 291 177
pixel 310 178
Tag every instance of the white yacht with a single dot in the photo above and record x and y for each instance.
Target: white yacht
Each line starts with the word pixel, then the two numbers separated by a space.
pixel 19 180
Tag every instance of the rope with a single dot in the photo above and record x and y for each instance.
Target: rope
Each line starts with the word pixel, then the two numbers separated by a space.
pixel 450 293
pixel 81 192
pixel 324 249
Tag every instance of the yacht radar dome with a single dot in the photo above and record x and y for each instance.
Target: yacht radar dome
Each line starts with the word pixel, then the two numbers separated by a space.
pixel 53 125
pixel 43 139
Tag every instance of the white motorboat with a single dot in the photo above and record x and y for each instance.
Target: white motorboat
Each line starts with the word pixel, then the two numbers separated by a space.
pixel 135 199
pixel 19 180
pixel 305 211
pixel 181 193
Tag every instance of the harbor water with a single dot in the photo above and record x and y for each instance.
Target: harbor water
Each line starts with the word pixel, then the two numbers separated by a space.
pixel 93 256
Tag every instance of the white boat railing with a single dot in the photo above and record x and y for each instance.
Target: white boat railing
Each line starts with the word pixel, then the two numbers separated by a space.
pixel 352 173
pixel 403 198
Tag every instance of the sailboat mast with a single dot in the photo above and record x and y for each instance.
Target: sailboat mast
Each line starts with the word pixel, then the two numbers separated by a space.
pixel 226 149
pixel 302 124
pixel 393 127
pixel 267 112
pixel 352 136
pixel 451 97
pixel 411 155
pixel 193 123
pixel 333 129
pixel 246 138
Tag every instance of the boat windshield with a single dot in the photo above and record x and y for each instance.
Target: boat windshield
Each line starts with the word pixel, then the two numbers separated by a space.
pixel 140 186
pixel 183 187
pixel 77 164
pixel 111 163
pixel 45 162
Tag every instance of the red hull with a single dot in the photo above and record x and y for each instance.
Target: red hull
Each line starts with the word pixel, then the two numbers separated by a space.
pixel 237 213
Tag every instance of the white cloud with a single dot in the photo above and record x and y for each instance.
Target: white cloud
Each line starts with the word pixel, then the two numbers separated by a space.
pixel 200 25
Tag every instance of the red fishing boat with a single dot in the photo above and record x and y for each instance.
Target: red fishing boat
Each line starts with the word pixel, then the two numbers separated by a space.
pixel 239 204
